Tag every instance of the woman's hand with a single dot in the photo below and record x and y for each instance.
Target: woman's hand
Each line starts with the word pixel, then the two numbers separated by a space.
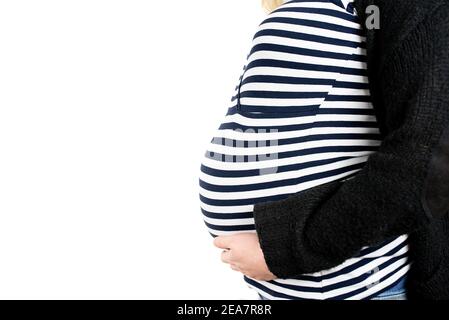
pixel 243 253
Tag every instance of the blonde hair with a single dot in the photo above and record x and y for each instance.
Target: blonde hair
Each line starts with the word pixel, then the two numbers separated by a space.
pixel 270 5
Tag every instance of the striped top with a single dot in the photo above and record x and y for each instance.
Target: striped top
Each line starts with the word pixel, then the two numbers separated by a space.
pixel 300 116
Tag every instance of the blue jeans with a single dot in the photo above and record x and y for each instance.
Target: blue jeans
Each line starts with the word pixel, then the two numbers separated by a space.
pixel 397 292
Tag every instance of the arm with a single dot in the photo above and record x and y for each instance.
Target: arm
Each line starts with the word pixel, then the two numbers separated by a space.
pixel 321 227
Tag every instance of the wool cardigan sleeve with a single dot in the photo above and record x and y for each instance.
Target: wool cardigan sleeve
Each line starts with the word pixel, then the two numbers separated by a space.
pixel 321 227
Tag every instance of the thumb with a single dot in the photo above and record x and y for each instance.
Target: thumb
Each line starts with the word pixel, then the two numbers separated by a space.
pixel 222 242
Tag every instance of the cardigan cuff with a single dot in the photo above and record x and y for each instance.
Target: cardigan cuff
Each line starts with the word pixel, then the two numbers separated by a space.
pixel 281 228
pixel 276 231
pixel 431 288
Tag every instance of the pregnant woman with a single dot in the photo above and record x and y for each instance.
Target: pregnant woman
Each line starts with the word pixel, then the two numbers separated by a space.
pixel 301 118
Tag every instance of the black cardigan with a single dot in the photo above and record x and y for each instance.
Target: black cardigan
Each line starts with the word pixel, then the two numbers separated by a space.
pixel 404 187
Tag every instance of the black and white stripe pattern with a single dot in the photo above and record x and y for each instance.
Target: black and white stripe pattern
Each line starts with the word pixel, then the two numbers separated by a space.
pixel 300 116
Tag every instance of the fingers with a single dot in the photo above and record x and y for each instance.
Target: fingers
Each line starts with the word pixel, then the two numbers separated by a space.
pixel 222 242
pixel 235 268
pixel 226 256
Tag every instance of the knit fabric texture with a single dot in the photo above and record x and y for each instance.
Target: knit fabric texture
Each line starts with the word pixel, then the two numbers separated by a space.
pixel 316 229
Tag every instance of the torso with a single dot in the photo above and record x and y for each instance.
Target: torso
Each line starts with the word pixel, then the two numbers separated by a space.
pixel 300 116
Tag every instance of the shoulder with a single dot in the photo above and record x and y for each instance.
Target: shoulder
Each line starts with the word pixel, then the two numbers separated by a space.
pixel 324 14
pixel 413 20
pixel 311 25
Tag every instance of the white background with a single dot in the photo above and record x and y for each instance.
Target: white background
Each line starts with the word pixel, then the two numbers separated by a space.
pixel 106 107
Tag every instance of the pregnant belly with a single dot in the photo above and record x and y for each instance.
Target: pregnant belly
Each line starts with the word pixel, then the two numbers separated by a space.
pixel 254 159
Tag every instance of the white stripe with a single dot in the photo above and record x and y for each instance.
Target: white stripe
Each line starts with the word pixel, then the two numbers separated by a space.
pixel 230 222
pixel 312 30
pixel 251 135
pixel 347 104
pixel 284 87
pixel 285 72
pixel 316 17
pixel 275 102
pixel 349 92
pixel 290 57
pixel 214 164
pixel 258 122
pixel 226 233
pixel 287 87
pixel 304 44
pixel 273 150
pixel 227 209
pixel 345 117
pixel 240 181
pixel 272 191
